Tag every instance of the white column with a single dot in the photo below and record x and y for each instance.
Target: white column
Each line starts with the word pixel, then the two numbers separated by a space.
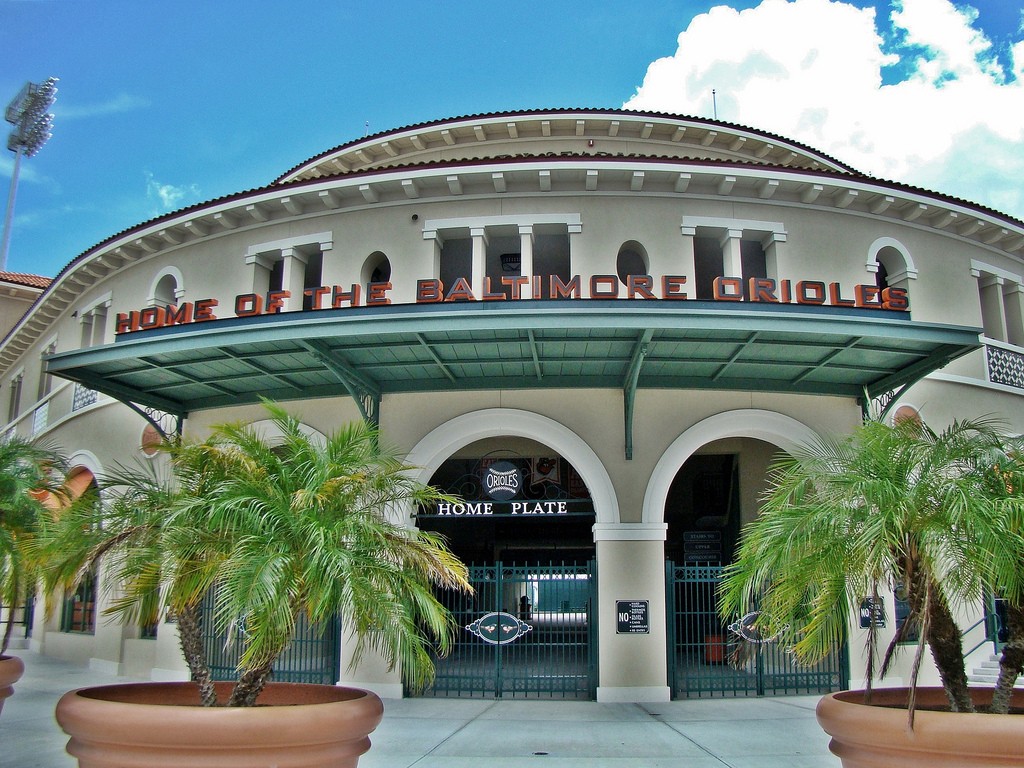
pixel 526 257
pixel 372 673
pixel 687 265
pixel 574 229
pixel 293 275
pixel 992 314
pixel 631 566
pixel 772 245
pixel 1013 306
pixel 732 263
pixel 261 263
pixel 479 235
pixel 435 263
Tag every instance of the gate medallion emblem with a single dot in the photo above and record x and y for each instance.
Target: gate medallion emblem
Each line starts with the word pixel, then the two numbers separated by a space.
pixel 498 628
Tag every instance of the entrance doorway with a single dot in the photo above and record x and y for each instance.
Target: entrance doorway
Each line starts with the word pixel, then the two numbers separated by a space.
pixel 524 633
pixel 711 657
pixel 523 524
pixel 712 495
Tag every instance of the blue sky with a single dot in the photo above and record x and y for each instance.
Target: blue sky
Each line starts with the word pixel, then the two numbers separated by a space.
pixel 162 105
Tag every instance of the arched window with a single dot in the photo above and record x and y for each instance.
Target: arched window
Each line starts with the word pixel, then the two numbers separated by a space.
pixel 167 288
pixel 376 268
pixel 631 260
pixel 78 613
pixel 891 264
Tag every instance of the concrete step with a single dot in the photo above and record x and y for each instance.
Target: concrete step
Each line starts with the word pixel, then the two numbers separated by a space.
pixel 987 674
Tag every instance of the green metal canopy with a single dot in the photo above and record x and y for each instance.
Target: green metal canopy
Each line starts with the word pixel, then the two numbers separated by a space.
pixel 369 352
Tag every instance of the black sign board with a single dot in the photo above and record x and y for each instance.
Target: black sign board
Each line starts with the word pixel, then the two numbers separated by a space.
pixel 703 536
pixel 523 509
pixel 872 611
pixel 632 617
pixel 702 546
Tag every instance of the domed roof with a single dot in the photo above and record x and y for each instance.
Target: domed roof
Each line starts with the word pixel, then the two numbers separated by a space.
pixel 620 133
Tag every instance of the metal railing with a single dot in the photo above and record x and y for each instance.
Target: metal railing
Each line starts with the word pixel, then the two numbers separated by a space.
pixel 63 401
pixel 994 624
pixel 1004 364
pixel 313 656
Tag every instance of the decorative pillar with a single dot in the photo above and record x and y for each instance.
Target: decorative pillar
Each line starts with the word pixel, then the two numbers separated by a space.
pixel 772 247
pixel 262 264
pixel 293 277
pixel 732 262
pixel 479 235
pixel 631 568
pixel 1013 306
pixel 526 257
pixel 573 228
pixel 992 310
pixel 372 673
pixel 687 260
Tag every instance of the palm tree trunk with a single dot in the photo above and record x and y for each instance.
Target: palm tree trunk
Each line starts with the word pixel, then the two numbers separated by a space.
pixel 943 637
pixel 190 636
pixel 1011 662
pixel 249 686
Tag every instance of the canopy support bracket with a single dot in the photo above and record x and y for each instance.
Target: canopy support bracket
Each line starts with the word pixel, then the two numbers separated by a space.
pixel 157 418
pixel 364 391
pixel 629 387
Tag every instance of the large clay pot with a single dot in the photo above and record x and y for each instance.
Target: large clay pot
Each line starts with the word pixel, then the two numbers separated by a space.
pixel 159 725
pixel 877 735
pixel 11 670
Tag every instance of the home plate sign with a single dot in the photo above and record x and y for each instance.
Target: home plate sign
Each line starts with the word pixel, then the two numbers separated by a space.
pixel 499 628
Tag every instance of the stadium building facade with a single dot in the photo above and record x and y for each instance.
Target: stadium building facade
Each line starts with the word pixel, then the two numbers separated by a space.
pixel 595 326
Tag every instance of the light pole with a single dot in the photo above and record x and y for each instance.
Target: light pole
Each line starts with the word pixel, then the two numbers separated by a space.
pixel 32 124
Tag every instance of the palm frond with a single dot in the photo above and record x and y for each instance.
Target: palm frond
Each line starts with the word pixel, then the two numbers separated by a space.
pixel 940 512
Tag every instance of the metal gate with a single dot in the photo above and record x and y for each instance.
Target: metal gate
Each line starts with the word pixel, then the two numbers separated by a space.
pixel 313 656
pixel 706 658
pixel 528 631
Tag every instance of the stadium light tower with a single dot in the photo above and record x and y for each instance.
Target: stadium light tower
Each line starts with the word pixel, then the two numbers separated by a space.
pixel 32 123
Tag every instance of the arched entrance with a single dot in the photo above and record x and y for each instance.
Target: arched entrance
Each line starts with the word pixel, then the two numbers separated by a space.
pixel 721 466
pixel 523 523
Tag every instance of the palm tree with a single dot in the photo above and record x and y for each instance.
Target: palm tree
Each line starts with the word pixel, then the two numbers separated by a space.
pixel 26 469
pixel 890 506
pixel 157 556
pixel 275 530
pixel 1007 486
pixel 309 534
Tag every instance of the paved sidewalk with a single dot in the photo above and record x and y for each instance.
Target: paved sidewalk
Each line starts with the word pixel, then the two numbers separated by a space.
pixel 459 733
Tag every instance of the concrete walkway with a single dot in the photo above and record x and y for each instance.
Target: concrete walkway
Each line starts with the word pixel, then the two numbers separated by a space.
pixel 460 733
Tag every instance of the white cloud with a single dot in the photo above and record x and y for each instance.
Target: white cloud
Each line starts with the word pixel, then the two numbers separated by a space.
pixel 168 196
pixel 122 102
pixel 812 70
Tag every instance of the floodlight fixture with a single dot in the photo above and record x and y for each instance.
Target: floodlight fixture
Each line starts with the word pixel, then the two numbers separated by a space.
pixel 33 125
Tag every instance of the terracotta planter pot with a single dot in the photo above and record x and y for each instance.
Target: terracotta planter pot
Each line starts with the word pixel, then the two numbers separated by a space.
pixel 158 725
pixel 11 670
pixel 876 735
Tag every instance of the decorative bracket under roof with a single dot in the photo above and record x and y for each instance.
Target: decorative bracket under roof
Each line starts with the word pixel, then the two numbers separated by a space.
pixel 878 400
pixel 364 391
pixel 640 349
pixel 167 425
pixel 878 407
